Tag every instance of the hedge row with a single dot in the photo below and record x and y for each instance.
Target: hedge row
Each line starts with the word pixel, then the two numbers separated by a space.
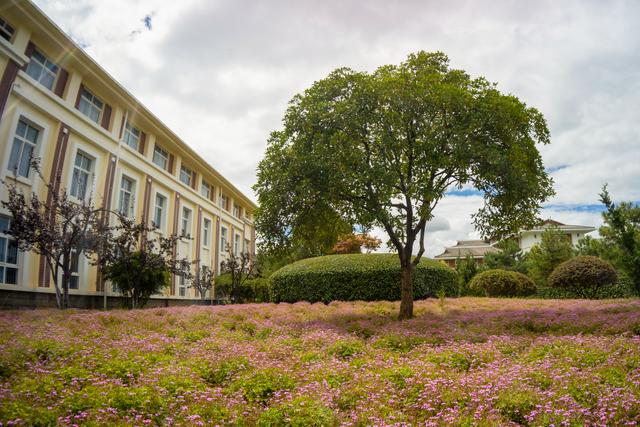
pixel 502 283
pixel 365 277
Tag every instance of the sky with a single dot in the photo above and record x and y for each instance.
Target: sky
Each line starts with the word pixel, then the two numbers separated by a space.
pixel 221 73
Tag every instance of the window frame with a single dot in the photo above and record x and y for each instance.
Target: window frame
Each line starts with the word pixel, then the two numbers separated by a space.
pixel 89 172
pixel 130 192
pixel 236 244
pixel 91 99
pixel 7 31
pixel 129 133
pixel 206 232
pixel 223 200
pixel 188 224
pixel 184 170
pixel 23 140
pixel 75 273
pixel 224 235
pixel 4 253
pixel 157 149
pixel 43 68
pixel 163 211
pixel 182 286
pixel 204 184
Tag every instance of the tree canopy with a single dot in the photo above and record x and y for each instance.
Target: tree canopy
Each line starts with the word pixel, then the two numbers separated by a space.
pixel 383 148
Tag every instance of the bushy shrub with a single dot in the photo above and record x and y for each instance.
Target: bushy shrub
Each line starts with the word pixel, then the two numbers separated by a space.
pixel 585 276
pixel 502 283
pixel 466 269
pixel 255 289
pixel 352 277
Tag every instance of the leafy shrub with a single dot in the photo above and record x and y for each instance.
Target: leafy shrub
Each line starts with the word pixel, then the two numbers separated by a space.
pixel 218 374
pixel 345 349
pixel 466 269
pixel 583 275
pixel 623 288
pixel 352 277
pixel 255 289
pixel 260 386
pixel 300 412
pixel 502 283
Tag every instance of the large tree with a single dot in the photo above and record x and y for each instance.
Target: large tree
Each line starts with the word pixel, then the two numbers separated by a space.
pixel 383 148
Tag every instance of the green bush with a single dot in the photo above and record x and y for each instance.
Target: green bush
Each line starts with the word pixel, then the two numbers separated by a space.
pixel 502 283
pixel 254 289
pixel 584 276
pixel 353 277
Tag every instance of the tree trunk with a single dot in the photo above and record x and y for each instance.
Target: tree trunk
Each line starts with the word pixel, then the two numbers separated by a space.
pixel 406 291
pixel 65 291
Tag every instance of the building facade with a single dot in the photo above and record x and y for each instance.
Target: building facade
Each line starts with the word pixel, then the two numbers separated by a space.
pixel 58 105
pixel 526 239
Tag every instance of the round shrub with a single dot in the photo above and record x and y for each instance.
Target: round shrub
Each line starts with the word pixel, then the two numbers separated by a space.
pixel 585 276
pixel 353 277
pixel 502 283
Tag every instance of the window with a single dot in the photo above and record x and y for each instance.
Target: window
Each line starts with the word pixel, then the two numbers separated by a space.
pixel 6 30
pixel 127 191
pixel 224 233
pixel 74 281
pixel 185 175
pixel 222 201
pixel 131 136
pixel 185 231
pixel 158 214
pixel 82 171
pixel 90 105
pixel 160 157
pixel 182 287
pixel 236 245
pixel 8 254
pixel 206 232
pixel 236 211
pixel 24 144
pixel 205 189
pixel 42 69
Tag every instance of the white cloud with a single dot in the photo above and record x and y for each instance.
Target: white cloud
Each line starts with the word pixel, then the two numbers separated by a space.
pixel 220 74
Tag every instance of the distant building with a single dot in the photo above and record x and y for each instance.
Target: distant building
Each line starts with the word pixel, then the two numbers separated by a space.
pixel 477 249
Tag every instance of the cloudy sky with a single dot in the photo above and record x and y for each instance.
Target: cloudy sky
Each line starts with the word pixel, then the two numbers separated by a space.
pixel 220 74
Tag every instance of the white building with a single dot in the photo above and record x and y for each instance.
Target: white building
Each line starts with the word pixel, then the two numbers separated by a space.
pixel 526 239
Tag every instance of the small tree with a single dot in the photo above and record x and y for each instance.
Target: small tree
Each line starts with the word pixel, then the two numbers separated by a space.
pixel 621 236
pixel 138 265
pixel 240 268
pixel 510 257
pixel 58 228
pixel 354 243
pixel 553 249
pixel 467 269
pixel 202 281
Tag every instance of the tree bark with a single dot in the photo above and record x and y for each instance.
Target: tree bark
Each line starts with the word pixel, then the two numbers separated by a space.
pixel 406 291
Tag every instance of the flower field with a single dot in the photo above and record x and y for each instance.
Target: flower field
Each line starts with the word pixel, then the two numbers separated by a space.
pixel 467 361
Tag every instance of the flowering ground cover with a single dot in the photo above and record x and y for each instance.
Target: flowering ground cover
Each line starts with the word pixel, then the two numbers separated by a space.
pixel 467 361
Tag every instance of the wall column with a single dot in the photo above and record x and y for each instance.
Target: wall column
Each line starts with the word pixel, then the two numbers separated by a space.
pixel 6 83
pixel 44 273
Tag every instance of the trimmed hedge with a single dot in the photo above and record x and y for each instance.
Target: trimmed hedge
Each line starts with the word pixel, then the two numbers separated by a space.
pixel 502 283
pixel 584 276
pixel 353 277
